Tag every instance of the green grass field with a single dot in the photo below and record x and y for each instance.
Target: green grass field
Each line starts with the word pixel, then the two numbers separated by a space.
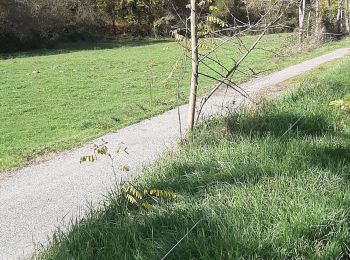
pixel 57 99
pixel 257 193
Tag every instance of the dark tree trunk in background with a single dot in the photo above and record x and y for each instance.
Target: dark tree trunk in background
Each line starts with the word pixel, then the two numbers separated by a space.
pixel 302 6
pixel 330 10
pixel 347 16
pixel 113 23
pixel 339 16
pixel 309 20
pixel 318 25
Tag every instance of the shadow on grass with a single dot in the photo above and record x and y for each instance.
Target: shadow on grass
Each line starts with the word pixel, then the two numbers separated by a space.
pixel 274 151
pixel 301 129
pixel 334 159
pixel 253 148
pixel 70 47
pixel 287 124
pixel 118 234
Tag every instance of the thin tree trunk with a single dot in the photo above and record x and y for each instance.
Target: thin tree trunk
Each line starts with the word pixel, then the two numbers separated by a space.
pixel 339 16
pixel 347 16
pixel 318 19
pixel 114 24
pixel 309 20
pixel 330 10
pixel 302 6
pixel 194 79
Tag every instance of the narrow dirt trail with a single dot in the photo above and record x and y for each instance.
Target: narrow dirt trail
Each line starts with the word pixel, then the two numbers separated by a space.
pixel 39 198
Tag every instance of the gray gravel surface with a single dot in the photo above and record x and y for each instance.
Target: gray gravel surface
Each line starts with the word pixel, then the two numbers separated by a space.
pixel 39 198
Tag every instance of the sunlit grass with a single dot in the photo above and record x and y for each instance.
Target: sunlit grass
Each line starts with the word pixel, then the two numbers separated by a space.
pixel 57 99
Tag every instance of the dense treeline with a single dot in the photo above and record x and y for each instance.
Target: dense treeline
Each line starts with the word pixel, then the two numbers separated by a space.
pixel 40 23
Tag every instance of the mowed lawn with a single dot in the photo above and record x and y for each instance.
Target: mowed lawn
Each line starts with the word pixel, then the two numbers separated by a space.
pixel 57 99
pixel 246 188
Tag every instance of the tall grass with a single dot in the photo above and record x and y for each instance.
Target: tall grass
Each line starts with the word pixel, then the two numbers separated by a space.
pixel 257 191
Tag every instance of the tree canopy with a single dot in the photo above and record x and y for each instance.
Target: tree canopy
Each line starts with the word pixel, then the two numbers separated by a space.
pixel 37 23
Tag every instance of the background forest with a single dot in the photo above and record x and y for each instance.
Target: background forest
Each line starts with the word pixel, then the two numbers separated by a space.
pixel 26 24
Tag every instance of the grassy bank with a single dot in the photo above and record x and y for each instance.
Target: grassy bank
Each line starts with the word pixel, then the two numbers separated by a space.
pixel 57 99
pixel 254 190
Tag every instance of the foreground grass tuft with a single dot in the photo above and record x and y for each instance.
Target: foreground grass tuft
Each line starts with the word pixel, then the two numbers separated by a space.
pixel 256 191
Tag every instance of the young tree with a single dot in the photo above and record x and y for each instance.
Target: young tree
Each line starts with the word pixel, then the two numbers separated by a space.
pixel 194 79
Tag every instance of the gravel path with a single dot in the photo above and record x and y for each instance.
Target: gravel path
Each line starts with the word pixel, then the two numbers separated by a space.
pixel 39 198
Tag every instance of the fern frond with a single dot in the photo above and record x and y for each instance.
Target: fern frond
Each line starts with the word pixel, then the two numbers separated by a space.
pixel 101 150
pixel 205 46
pixel 203 33
pixel 216 20
pixel 147 206
pixel 88 158
pixel 131 199
pixel 135 192
pixel 161 193
pixel 178 37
